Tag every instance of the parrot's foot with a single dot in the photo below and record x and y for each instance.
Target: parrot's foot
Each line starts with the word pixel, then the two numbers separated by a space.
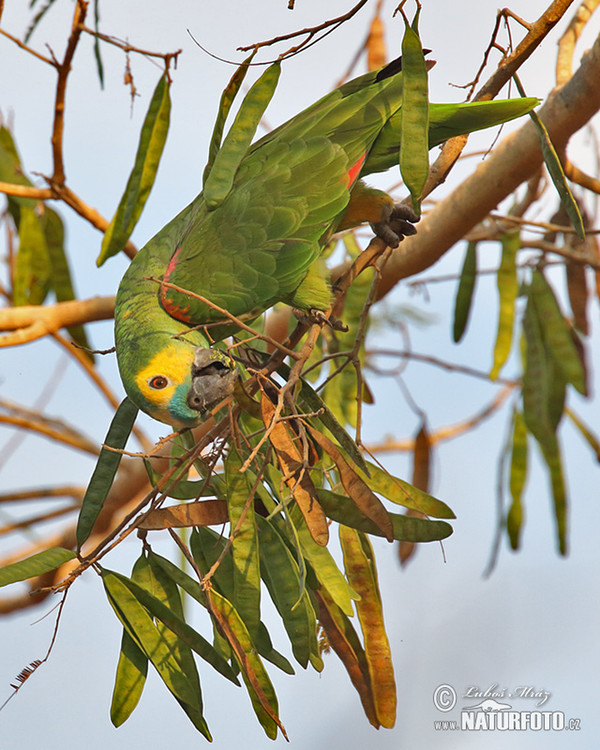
pixel 212 380
pixel 310 317
pixel 397 225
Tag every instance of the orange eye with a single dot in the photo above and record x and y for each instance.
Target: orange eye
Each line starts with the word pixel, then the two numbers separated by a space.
pixel 158 382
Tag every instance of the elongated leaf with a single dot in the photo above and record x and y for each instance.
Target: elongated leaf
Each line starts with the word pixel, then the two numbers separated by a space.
pixel 555 170
pixel 150 148
pixel 207 547
pixel 256 679
pixel 420 479
pixel 588 435
pixel 246 566
pixel 106 468
pixel 343 510
pixel 97 53
pixel 551 453
pixel 518 477
pixel 132 670
pixel 11 169
pixel 185 636
pixel 60 274
pixel 32 268
pixel 464 293
pixel 403 493
pixel 280 573
pixel 343 639
pixel 557 333
pixel 296 477
pixel 508 287
pixel 138 623
pixel 368 503
pixel 227 160
pixel 360 570
pixel 414 126
pixel 203 513
pixel 36 565
pixel 536 386
pixel 324 566
pixel 227 98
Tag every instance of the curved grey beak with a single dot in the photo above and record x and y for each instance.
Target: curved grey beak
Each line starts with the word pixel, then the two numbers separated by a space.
pixel 212 380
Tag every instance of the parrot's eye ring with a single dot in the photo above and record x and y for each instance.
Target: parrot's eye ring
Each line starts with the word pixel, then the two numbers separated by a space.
pixel 158 382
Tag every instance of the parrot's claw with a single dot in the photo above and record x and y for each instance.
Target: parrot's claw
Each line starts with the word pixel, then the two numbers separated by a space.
pixel 212 380
pixel 397 225
pixel 310 317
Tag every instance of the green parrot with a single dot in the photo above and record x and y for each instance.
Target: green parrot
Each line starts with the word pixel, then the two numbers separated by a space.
pixel 262 243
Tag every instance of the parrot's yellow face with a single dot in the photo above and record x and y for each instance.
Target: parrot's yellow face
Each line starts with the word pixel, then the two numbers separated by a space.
pixel 165 383
pixel 180 383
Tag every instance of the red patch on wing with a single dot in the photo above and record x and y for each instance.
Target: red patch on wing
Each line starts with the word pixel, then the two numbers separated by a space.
pixel 178 312
pixel 355 169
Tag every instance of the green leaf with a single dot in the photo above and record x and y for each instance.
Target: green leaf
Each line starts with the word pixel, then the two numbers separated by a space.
pixel 227 98
pixel 464 293
pixel 556 171
pixel 414 125
pixel 246 566
pixel 586 432
pixel 403 493
pixel 508 288
pixel 193 588
pixel 518 477
pixel 259 686
pixel 227 160
pixel 10 166
pixel 106 468
pixel 132 670
pixel 324 566
pixel 171 616
pixel 551 453
pixel 32 268
pixel 557 333
pixel 150 148
pixel 132 667
pixel 161 652
pixel 405 528
pixel 36 565
pixel 60 278
pixel 97 54
pixel 280 573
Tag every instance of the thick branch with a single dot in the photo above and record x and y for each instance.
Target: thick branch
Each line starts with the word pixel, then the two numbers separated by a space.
pixel 31 322
pixel 512 162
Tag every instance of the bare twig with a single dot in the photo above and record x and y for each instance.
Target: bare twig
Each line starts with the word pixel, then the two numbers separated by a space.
pixel 310 33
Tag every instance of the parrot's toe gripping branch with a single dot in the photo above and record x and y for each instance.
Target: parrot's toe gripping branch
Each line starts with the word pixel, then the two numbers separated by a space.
pixel 318 316
pixel 397 225
pixel 212 380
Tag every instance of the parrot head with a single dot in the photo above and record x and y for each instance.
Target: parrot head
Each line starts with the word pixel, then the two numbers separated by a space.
pixel 178 382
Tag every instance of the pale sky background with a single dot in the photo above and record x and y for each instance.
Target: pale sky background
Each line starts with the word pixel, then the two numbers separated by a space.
pixel 533 623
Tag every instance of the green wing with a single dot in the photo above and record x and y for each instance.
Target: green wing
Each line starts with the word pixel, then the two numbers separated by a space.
pixel 288 196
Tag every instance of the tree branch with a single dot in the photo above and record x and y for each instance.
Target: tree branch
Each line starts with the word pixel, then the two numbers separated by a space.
pixel 31 322
pixel 512 162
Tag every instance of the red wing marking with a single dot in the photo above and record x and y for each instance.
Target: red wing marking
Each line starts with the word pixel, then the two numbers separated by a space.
pixel 178 312
pixel 355 169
